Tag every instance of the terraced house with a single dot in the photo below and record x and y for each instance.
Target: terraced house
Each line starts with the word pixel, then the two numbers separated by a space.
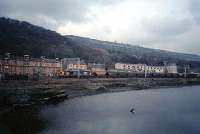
pixel 141 68
pixel 74 67
pixel 30 67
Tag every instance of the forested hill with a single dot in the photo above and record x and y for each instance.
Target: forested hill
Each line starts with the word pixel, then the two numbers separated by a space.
pixel 134 50
pixel 20 38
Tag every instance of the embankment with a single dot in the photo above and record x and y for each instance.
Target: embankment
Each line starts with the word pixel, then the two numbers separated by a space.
pixel 22 93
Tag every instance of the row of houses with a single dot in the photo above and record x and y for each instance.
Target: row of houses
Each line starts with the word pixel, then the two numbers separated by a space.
pixel 78 67
pixel 43 67
pixel 75 64
pixel 32 67
pixel 142 68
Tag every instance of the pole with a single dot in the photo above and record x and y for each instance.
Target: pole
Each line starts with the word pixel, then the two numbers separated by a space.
pixel 185 74
pixel 145 72
pixel 78 68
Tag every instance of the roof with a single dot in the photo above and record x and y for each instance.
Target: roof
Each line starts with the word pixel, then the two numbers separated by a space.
pixel 93 65
pixel 136 64
pixel 72 61
pixel 33 59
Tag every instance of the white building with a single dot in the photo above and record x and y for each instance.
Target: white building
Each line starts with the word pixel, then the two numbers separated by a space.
pixel 74 67
pixel 130 67
pixel 139 68
pixel 73 64
pixel 171 68
pixel 155 69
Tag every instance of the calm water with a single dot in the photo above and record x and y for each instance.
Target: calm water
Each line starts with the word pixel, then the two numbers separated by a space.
pixel 160 111
pixel 165 111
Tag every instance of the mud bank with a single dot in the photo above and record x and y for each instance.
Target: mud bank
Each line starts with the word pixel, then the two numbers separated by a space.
pixel 26 93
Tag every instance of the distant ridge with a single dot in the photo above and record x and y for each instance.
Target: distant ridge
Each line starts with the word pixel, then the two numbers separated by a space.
pixel 19 38
pixel 128 45
pixel 193 57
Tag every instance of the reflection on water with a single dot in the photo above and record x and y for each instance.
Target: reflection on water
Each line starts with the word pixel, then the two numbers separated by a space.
pixel 165 111
pixel 22 121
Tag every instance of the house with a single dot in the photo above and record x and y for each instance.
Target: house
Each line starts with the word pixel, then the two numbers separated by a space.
pixel 138 68
pixel 97 69
pixel 171 68
pixel 73 64
pixel 30 67
pixel 155 69
pixel 74 67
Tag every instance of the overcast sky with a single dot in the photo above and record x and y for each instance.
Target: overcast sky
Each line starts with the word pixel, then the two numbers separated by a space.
pixel 164 24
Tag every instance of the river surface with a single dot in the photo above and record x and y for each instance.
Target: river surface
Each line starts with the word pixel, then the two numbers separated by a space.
pixel 157 111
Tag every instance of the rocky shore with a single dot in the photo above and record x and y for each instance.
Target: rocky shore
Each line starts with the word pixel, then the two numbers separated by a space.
pixel 26 93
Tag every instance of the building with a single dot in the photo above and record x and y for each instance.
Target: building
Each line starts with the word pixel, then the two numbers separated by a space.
pixel 30 66
pixel 73 64
pixel 97 69
pixel 130 67
pixel 171 68
pixel 155 69
pixel 139 68
pixel 74 67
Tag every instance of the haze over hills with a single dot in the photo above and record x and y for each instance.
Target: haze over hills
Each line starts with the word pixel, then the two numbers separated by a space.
pixel 21 38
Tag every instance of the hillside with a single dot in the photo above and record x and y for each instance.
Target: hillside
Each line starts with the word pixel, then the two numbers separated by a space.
pixel 135 54
pixel 19 38
pixel 137 51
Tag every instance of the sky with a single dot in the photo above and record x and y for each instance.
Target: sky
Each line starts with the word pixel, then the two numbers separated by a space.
pixel 163 24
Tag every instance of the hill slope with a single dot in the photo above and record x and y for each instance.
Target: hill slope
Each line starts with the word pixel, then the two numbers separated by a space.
pixel 21 38
pixel 133 50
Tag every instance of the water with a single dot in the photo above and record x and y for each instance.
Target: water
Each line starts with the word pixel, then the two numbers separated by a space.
pixel 159 111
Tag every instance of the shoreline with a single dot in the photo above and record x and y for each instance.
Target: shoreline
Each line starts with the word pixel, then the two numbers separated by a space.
pixel 4 110
pixel 125 89
pixel 22 94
